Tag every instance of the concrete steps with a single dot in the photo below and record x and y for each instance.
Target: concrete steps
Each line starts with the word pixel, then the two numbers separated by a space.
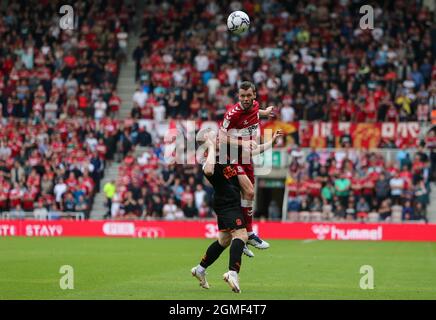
pixel 125 88
pixel 99 208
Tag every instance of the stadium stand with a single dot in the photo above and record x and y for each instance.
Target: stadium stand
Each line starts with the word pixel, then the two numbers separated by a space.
pixel 313 62
pixel 352 185
pixel 313 66
pixel 56 95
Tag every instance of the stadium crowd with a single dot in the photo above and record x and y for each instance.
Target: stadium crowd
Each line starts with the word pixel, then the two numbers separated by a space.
pixel 57 100
pixel 311 59
pixel 351 185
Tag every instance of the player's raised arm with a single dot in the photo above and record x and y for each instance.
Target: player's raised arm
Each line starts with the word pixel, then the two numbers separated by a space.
pixel 226 138
pixel 209 165
pixel 268 145
pixel 267 113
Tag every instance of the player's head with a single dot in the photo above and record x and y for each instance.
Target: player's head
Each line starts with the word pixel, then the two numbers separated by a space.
pixel 246 94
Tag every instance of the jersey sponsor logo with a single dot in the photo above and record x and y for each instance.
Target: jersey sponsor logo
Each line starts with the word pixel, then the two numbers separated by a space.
pixel 238 222
pixel 229 172
pixel 226 123
pixel 249 131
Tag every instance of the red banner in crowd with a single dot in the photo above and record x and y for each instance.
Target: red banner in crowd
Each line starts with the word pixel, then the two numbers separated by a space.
pixel 363 135
pixel 197 229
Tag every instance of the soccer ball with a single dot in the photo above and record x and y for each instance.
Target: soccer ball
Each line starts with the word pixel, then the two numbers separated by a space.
pixel 238 22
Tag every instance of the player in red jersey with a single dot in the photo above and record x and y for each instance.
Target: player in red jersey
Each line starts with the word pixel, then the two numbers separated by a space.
pixel 240 127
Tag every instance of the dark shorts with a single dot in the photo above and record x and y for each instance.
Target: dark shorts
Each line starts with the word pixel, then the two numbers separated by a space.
pixel 230 219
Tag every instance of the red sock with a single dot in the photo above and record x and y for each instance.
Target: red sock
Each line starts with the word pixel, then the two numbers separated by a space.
pixel 248 217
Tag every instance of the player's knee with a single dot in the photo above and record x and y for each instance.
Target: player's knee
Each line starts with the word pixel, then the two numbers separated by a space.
pixel 244 237
pixel 241 234
pixel 224 241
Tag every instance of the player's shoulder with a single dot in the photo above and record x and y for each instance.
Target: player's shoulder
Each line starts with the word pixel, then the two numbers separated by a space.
pixel 233 110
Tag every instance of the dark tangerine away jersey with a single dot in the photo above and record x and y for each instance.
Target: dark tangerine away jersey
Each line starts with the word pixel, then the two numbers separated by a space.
pixel 244 122
pixel 226 186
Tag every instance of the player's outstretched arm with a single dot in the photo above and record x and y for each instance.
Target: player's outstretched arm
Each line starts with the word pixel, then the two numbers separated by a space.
pixel 267 113
pixel 226 138
pixel 268 145
pixel 209 165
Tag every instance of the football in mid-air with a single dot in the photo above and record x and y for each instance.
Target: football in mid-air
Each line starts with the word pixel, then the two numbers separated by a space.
pixel 238 22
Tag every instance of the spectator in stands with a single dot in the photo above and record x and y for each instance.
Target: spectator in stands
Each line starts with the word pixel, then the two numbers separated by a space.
pixel 382 186
pixel 200 196
pixel 351 211
pixel 169 210
pixel 17 212
pixel 157 207
pixel 340 211
pixel 420 212
pixel 69 204
pixel 190 210
pixel 396 184
pixel 397 212
pixel 82 205
pixel 408 212
pixel 362 209
pixel 130 205
pixel 40 212
pixel 59 189
pixel 342 188
pixel 327 192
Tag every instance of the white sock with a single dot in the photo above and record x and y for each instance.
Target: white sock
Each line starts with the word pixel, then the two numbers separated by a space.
pixel 200 269
pixel 233 272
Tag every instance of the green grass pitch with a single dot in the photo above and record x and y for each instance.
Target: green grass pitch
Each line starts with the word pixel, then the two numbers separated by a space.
pixel 159 269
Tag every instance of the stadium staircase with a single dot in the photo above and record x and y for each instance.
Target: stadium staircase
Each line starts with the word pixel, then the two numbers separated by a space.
pixel 431 209
pixel 99 209
pixel 126 82
pixel 125 89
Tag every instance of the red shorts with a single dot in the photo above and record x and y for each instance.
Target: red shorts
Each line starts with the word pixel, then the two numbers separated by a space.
pixel 245 169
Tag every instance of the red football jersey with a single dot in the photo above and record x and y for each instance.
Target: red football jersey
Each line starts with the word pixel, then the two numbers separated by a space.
pixel 244 122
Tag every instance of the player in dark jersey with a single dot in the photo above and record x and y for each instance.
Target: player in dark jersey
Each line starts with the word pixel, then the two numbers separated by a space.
pixel 231 224
pixel 227 206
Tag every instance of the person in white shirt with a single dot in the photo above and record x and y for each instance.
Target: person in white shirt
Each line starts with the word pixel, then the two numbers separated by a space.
pixel 100 107
pixel 199 195
pixel 122 43
pixel 51 109
pixel 140 97
pixel 5 151
pixel 116 205
pixel 159 113
pixel 59 189
pixel 287 113
pixel 212 85
pixel 91 141
pixel 397 185
pixel 232 74
pixel 201 61
pixel 169 210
